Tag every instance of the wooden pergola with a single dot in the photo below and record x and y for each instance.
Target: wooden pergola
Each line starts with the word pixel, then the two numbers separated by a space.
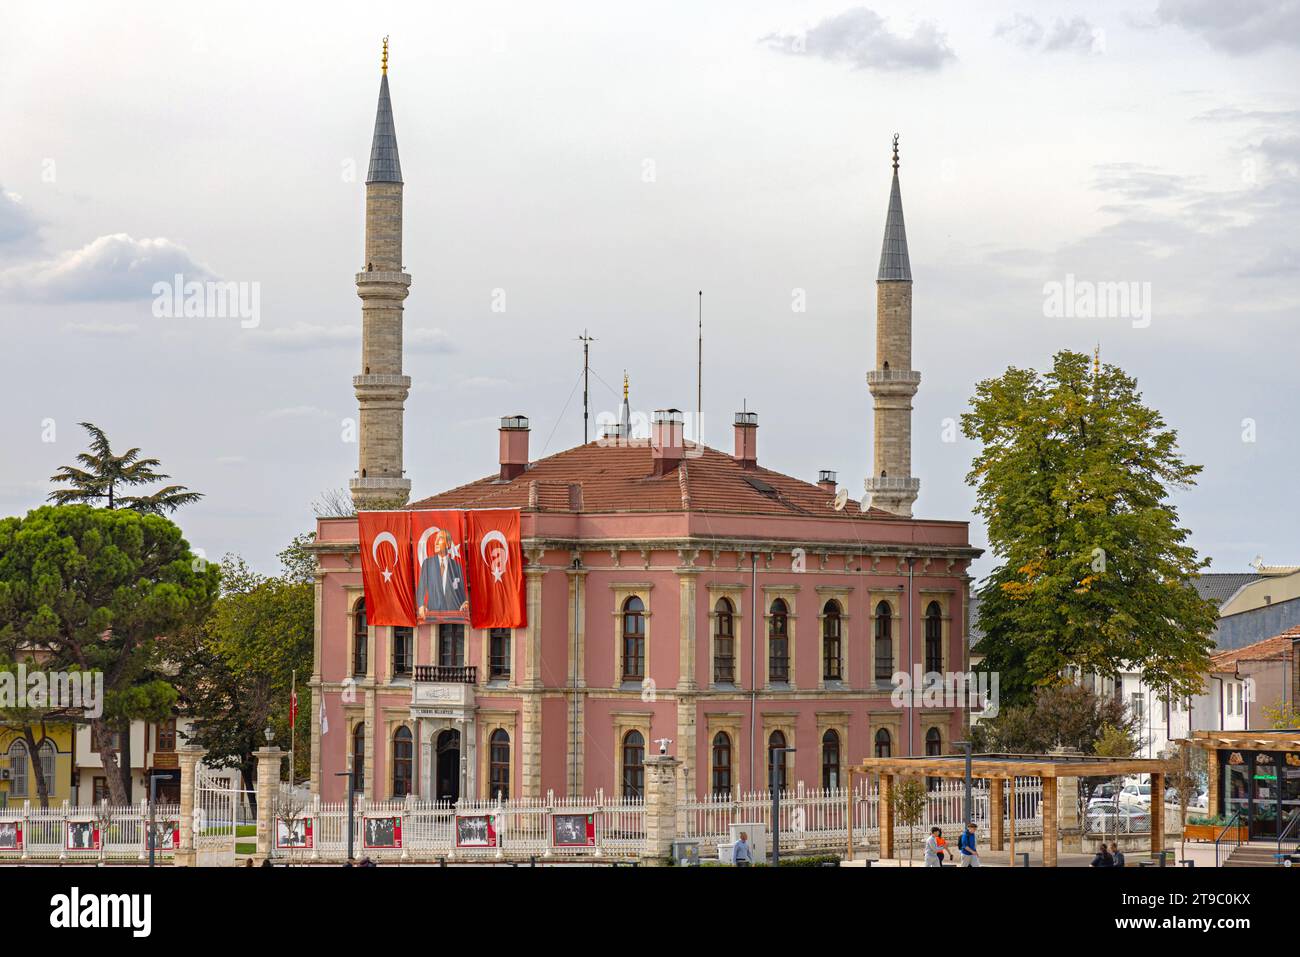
pixel 1214 742
pixel 997 768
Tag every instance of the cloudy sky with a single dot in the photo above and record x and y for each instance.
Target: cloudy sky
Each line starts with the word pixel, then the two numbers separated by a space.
pixel 593 165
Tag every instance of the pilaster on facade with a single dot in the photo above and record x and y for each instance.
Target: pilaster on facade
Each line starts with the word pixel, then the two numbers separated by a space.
pixel 687 582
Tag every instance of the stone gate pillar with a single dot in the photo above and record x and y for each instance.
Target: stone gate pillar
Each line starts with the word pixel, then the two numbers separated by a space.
pixel 268 793
pixel 660 807
pixel 188 757
pixel 1067 801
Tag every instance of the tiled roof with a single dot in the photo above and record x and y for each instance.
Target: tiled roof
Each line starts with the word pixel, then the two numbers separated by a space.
pixel 1277 648
pixel 1220 586
pixel 620 478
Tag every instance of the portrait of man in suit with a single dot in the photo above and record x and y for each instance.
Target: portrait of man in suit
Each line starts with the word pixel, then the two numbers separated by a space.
pixel 442 579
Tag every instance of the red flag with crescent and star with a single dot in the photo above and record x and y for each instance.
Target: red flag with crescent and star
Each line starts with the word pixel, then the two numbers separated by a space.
pixel 386 567
pixel 441 587
pixel 496 569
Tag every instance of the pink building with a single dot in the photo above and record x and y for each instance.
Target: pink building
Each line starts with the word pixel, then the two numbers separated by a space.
pixel 679 598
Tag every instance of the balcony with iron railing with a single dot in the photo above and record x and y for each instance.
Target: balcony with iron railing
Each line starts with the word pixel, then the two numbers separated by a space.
pixel 443 690
pixel 891 484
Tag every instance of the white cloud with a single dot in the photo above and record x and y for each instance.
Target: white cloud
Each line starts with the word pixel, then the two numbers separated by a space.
pixel 860 38
pixel 16 220
pixel 112 268
pixel 98 327
pixel 1240 27
pixel 1076 35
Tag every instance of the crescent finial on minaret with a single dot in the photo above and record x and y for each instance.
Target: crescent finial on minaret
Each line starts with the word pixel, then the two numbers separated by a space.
pixel 1096 361
pixel 385 60
pixel 895 151
pixel 624 386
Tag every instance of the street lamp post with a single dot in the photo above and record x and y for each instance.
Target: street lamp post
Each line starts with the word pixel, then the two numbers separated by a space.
pixel 153 803
pixel 350 774
pixel 967 746
pixel 778 761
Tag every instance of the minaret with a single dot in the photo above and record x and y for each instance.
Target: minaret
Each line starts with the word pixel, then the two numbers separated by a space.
pixel 382 388
pixel 893 382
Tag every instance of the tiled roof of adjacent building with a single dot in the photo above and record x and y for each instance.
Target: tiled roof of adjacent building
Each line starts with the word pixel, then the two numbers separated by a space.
pixel 1220 586
pixel 1277 648
pixel 600 477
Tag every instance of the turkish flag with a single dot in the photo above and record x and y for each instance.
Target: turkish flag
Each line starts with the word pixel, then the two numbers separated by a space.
pixel 496 569
pixel 441 588
pixel 386 567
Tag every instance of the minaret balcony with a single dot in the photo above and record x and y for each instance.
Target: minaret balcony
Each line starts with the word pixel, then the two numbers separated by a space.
pixel 381 276
pixel 891 484
pixel 379 483
pixel 396 381
pixel 902 376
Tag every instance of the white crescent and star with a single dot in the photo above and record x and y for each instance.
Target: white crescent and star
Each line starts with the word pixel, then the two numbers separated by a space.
pixel 374 552
pixel 494 536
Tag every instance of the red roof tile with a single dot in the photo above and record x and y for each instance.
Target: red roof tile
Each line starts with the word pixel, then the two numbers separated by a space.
pixel 620 478
pixel 1277 648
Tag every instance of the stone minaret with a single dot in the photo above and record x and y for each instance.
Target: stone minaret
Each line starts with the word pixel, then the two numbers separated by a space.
pixel 382 388
pixel 893 382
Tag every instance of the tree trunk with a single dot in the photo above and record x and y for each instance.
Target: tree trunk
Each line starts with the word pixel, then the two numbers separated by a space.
pixel 124 766
pixel 247 774
pixel 116 793
pixel 38 772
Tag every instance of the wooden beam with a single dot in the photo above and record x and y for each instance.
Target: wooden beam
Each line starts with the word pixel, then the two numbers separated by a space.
pixel 1012 815
pixel 1050 822
pixel 885 815
pixel 1157 813
pixel 848 815
pixel 995 815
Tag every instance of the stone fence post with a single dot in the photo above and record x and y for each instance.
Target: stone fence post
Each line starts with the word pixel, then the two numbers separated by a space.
pixel 188 758
pixel 268 793
pixel 660 807
pixel 1067 803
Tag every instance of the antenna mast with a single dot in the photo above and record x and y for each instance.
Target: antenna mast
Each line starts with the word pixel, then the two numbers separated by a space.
pixel 586 341
pixel 699 373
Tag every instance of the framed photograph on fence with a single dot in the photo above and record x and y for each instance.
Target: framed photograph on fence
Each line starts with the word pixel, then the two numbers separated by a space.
pixel 382 832
pixel 297 833
pixel 573 830
pixel 165 835
pixel 475 830
pixel 82 836
pixel 11 835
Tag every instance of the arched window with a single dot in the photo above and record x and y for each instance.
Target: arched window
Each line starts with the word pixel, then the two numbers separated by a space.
pixel 831 641
pixel 778 642
pixel 884 746
pixel 633 639
pixel 499 764
pixel 776 759
pixel 47 753
pixel 633 764
pixel 831 759
pixel 359 639
pixel 724 642
pixel 359 758
pixel 884 643
pixel 933 637
pixel 18 769
pixel 403 649
pixel 403 755
pixel 722 763
pixel 933 743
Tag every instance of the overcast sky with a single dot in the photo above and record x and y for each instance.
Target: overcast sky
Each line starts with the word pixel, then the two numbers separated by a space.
pixel 597 164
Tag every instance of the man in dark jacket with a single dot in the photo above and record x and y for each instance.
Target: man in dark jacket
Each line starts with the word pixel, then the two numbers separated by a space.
pixel 1103 858
pixel 1116 855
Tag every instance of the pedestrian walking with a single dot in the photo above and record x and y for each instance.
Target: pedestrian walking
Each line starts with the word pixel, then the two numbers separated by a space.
pixel 966 846
pixel 1103 858
pixel 933 849
pixel 1116 855
pixel 742 855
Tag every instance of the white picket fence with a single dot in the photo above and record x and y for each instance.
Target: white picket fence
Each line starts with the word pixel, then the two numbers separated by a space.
pixel 74 834
pixel 811 819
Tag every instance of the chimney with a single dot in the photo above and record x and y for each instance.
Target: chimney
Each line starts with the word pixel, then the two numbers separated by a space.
pixel 514 446
pixel 747 439
pixel 666 440
pixel 828 480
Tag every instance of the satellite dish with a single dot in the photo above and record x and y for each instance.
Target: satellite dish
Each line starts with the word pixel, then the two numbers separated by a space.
pixel 841 499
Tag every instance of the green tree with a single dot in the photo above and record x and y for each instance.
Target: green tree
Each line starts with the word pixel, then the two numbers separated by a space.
pixel 93 589
pixel 909 799
pixel 1073 479
pixel 235 668
pixel 103 473
pixel 1060 716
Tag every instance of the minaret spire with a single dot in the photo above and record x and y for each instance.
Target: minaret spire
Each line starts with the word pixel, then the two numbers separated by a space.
pixel 893 382
pixel 382 388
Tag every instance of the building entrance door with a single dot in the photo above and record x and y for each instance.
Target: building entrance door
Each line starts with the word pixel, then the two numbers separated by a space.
pixel 447 773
